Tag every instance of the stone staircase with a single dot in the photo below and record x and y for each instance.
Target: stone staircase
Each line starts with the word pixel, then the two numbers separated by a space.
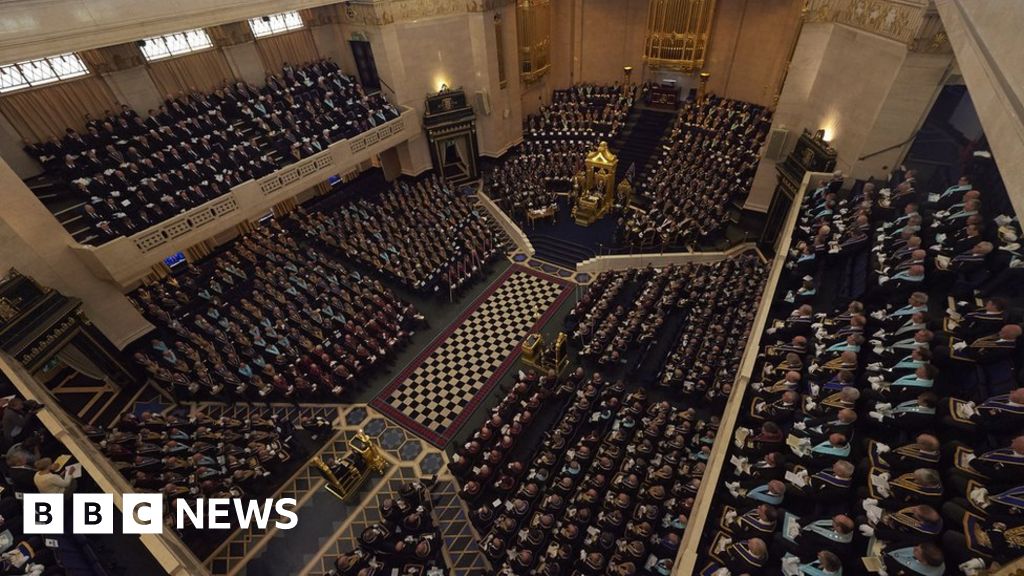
pixel 641 140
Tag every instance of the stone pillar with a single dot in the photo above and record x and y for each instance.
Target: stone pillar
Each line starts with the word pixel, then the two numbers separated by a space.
pixel 329 42
pixel 414 155
pixel 986 38
pixel 37 245
pixel 870 90
pixel 245 62
pixel 917 84
pixel 12 152
pixel 134 87
pixel 390 164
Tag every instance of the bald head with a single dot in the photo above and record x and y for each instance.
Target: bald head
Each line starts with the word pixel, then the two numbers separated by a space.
pixel 1010 332
pixel 842 469
pixel 928 442
pixel 757 547
pixel 836 439
pixel 849 394
pixel 843 523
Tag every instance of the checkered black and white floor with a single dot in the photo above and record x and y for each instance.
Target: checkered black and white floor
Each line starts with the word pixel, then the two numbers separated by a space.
pixel 459 368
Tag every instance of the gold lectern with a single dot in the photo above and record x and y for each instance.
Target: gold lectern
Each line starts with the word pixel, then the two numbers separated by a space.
pixel 347 475
pixel 542 358
pixel 596 186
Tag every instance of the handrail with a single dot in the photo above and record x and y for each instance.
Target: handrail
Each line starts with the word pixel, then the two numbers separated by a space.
pixel 513 231
pixel 127 259
pixel 689 548
pixel 893 147
pixel 168 549
pixel 394 95
pixel 598 264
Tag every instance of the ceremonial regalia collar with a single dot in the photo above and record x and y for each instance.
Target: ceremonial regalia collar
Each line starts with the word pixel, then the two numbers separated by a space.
pixel 907 482
pixel 824 529
pixel 830 478
pixel 905 517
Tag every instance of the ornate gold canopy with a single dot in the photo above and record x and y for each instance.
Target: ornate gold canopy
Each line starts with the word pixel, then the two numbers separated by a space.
pixel 603 157
pixel 594 189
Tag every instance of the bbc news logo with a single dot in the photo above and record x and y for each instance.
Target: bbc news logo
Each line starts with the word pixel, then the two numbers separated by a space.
pixel 144 513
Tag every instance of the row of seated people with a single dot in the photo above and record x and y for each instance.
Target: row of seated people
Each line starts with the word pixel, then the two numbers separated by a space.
pixel 200 456
pixel 404 541
pixel 608 490
pixel 590 111
pixel 306 109
pixel 31 465
pixel 132 172
pixel 529 177
pixel 270 319
pixel 555 145
pixel 885 434
pixel 953 240
pixel 708 162
pixel 427 236
pixel 627 311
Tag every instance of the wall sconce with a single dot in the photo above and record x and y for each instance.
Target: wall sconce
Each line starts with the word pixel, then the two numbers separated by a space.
pixel 826 134
pixel 444 87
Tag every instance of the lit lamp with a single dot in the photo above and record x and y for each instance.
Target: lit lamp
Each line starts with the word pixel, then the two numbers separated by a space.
pixel 703 86
pixel 628 71
pixel 444 87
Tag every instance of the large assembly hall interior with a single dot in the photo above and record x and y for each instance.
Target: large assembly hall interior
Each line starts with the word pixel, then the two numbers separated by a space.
pixel 512 287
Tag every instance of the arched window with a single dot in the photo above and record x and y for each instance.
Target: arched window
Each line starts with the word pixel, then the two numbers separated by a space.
pixel 678 32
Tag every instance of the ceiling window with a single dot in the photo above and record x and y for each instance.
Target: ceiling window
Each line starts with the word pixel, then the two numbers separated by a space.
pixel 275 24
pixel 168 45
pixel 40 72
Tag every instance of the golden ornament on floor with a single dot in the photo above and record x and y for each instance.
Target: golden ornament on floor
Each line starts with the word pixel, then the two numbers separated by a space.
pixel 347 475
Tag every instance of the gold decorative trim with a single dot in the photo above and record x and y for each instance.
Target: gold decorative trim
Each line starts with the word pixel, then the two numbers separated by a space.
pixel 533 27
pixel 898 20
pixel 382 13
pixel 678 34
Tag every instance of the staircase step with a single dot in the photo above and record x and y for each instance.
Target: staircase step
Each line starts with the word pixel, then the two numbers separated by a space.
pixel 642 139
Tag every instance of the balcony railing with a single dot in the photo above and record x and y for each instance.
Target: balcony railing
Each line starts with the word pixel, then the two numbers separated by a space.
pixel 127 259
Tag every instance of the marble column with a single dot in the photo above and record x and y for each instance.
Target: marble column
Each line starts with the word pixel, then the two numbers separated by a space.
pixel 245 62
pixel 870 94
pixel 37 245
pixel 134 87
pixel 986 38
